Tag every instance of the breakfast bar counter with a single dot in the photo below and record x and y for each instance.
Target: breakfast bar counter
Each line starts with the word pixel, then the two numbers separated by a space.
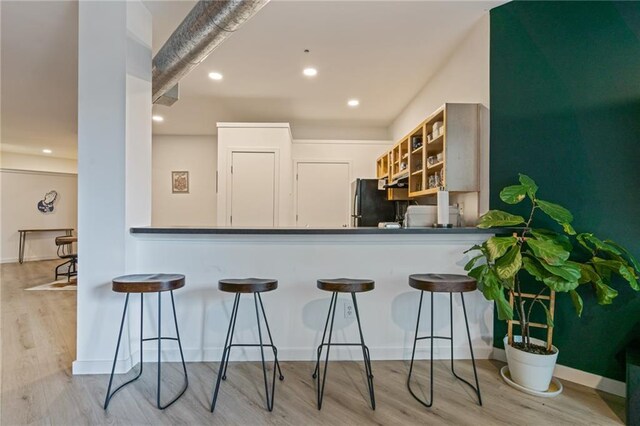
pixel 297 258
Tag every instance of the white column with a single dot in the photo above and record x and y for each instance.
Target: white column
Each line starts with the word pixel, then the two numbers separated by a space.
pixel 114 167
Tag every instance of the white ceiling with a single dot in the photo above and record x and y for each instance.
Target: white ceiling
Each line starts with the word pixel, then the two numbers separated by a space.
pixel 381 52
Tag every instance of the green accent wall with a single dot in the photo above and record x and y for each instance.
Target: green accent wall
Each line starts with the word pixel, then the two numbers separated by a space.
pixel 565 110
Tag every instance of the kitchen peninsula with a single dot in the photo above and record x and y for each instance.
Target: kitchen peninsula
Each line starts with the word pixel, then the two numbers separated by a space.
pixel 297 257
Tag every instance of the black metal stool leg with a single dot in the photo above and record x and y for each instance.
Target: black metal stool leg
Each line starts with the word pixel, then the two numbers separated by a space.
pixel 230 343
pixel 225 352
pixel 324 333
pixel 415 341
pixel 264 365
pixel 365 355
pixel 110 394
pixel 184 365
pixel 473 360
pixel 322 382
pixel 275 350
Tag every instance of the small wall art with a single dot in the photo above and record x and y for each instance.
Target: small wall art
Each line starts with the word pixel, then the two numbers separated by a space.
pixel 46 204
pixel 180 182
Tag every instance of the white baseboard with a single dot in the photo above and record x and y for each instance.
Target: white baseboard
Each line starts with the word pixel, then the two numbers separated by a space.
pixel 284 354
pixel 28 259
pixel 593 381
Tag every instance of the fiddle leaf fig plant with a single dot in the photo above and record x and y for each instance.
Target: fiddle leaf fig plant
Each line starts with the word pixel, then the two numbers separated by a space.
pixel 558 260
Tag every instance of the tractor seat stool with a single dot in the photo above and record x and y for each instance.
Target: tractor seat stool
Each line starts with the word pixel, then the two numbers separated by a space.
pixel 442 283
pixel 148 283
pixel 335 286
pixel 255 286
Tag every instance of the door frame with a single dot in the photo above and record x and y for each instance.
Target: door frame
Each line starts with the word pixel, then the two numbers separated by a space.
pixel 276 179
pixel 297 161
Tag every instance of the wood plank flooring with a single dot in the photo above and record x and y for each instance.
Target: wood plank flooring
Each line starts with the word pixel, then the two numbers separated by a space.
pixel 38 345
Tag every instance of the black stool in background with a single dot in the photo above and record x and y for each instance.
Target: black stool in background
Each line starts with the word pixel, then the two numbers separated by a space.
pixel 442 283
pixel 65 251
pixel 255 286
pixel 148 283
pixel 343 285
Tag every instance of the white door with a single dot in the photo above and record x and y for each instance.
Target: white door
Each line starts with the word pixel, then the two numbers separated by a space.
pixel 253 189
pixel 322 194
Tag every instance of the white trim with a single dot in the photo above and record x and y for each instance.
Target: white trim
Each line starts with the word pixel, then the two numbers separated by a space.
pixel 28 259
pixel 253 125
pixel 388 143
pixel 213 354
pixel 584 378
pixel 37 172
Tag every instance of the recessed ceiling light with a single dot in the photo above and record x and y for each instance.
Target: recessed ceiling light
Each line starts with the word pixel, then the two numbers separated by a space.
pixel 215 76
pixel 353 103
pixel 310 72
pixel 47 151
pixel 157 118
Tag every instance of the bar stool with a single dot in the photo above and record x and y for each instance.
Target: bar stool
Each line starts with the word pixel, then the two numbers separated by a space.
pixel 148 283
pixel 343 285
pixel 442 283
pixel 255 286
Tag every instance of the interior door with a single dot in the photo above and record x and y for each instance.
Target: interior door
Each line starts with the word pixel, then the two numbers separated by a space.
pixel 322 194
pixel 253 189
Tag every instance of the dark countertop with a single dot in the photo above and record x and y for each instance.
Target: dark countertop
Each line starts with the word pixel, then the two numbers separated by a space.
pixel 221 230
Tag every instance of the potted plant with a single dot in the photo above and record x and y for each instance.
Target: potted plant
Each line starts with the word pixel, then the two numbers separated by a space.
pixel 550 260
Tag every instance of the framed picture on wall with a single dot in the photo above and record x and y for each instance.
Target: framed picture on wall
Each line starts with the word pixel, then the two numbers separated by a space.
pixel 180 182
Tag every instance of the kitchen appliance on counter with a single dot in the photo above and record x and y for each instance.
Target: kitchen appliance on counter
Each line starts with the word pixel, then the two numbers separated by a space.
pixel 426 216
pixel 369 204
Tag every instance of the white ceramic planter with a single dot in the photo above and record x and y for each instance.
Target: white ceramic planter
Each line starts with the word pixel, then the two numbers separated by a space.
pixel 532 371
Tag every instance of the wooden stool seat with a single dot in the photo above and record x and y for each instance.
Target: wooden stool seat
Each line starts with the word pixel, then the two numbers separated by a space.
pixel 147 283
pixel 346 285
pixel 442 283
pixel 247 285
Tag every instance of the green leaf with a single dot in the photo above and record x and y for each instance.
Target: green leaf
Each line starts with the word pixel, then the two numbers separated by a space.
pixel 588 274
pixel 545 234
pixel 478 273
pixel 508 265
pixel 534 269
pixel 599 244
pixel 499 218
pixel 505 311
pixel 472 262
pixel 547 313
pixel 577 302
pixel 569 271
pixel 548 250
pixel 559 284
pixel 498 246
pixel 493 290
pixel 529 184
pixel 559 214
pixel 568 229
pixel 580 238
pixel 626 253
pixel 513 194
pixel 620 268
pixel 604 293
pixel 473 248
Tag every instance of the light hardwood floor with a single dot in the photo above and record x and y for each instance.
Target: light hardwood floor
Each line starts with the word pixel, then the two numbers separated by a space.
pixel 38 346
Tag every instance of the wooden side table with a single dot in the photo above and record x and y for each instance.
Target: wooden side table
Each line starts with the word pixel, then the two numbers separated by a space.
pixel 23 237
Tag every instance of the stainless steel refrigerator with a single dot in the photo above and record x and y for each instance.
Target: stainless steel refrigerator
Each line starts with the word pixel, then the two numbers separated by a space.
pixel 369 204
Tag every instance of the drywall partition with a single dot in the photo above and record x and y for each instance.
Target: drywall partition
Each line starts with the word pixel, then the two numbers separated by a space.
pixel 198 155
pixel 259 137
pixel 20 192
pixel 114 167
pixel 565 109
pixel 463 78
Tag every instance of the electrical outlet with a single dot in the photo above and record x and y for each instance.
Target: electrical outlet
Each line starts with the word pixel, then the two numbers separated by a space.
pixel 348 310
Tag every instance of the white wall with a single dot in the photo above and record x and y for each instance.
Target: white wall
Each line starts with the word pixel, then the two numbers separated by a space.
pixel 15 161
pixel 464 78
pixel 198 155
pixel 114 162
pixel 20 193
pixel 360 154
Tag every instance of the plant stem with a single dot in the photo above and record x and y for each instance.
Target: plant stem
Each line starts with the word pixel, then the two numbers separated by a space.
pixel 524 320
